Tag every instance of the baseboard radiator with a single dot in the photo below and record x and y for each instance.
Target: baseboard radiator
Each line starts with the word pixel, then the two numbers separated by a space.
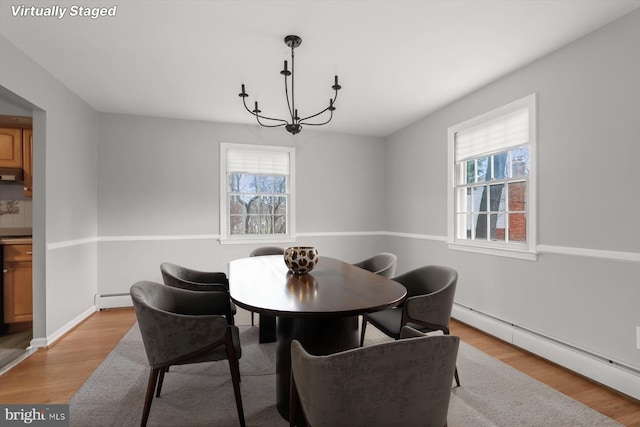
pixel 615 375
pixel 114 300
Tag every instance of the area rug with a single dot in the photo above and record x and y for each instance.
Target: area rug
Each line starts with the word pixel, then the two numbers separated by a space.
pixel 492 393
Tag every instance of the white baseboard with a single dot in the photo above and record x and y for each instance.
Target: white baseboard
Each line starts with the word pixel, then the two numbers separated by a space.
pixel 615 376
pixel 102 301
pixel 50 339
pixel 105 301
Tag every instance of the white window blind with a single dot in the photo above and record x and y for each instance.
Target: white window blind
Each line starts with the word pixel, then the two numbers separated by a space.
pixel 493 136
pixel 258 162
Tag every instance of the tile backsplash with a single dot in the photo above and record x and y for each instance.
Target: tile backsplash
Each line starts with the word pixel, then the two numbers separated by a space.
pixel 15 213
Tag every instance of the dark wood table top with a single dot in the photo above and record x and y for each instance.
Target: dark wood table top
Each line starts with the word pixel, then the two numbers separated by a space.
pixel 334 288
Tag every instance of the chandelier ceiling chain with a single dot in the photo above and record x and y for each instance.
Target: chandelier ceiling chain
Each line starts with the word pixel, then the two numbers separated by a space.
pixel 293 126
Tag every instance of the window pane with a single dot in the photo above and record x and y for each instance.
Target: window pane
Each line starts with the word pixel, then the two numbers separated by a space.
pixel 252 224
pixel 480 223
pixel 236 224
pixel 265 224
pixel 497 198
pixel 478 203
pixel 280 224
pixel 520 162
pixel 253 204
pixel 517 196
pixel 266 205
pixel 242 183
pixel 280 205
pixel 471 171
pixel 500 165
pixel 279 184
pixel 483 172
pixel 518 227
pixel 497 227
pixel 265 183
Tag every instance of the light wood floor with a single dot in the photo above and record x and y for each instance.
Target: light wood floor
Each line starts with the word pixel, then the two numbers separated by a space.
pixel 53 375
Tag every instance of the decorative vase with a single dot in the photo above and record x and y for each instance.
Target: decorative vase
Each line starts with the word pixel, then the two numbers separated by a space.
pixel 301 259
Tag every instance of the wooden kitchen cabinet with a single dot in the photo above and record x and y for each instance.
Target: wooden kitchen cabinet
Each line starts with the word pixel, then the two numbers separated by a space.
pixel 10 147
pixel 27 161
pixel 17 283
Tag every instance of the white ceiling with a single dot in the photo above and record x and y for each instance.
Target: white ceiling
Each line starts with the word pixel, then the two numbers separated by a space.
pixel 397 60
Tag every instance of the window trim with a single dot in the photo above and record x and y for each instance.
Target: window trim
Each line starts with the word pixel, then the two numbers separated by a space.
pixel 527 251
pixel 225 237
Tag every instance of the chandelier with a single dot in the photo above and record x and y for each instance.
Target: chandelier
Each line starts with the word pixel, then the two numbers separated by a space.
pixel 294 125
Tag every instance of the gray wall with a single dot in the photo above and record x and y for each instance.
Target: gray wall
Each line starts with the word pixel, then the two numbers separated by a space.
pixel 158 194
pixel 65 192
pixel 580 291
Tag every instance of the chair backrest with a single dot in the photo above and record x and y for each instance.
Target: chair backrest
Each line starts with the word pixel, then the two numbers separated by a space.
pixel 405 382
pixel 267 250
pixel 383 264
pixel 430 294
pixel 182 277
pixel 167 316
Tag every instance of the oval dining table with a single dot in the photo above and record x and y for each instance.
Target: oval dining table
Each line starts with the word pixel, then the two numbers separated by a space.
pixel 320 309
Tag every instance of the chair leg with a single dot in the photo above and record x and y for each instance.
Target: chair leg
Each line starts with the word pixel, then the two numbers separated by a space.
pixel 362 330
pixel 161 380
pixel 234 367
pixel 151 387
pixel 252 318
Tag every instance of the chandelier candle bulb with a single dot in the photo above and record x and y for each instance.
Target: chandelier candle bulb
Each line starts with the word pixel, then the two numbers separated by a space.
pixel 336 86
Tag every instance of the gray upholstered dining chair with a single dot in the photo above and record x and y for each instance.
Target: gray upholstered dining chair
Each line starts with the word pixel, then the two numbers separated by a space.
pixel 267 323
pixel 397 383
pixel 427 307
pixel 177 276
pixel 267 250
pixel 178 328
pixel 383 264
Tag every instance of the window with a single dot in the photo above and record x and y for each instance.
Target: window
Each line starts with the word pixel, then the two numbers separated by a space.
pixel 256 194
pixel 492 182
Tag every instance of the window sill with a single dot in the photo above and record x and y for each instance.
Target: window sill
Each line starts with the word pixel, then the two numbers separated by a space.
pixel 254 240
pixel 495 251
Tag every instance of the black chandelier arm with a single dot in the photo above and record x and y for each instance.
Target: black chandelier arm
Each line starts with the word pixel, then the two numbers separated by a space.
pixel 259 116
pixel 318 124
pixel 269 126
pixel 333 101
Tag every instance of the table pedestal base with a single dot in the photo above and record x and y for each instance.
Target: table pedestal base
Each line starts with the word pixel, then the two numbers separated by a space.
pixel 319 336
pixel 267 328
